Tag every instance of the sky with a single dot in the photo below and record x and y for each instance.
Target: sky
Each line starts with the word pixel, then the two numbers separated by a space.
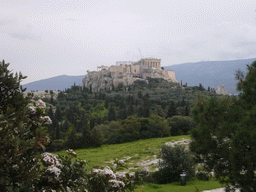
pixel 47 38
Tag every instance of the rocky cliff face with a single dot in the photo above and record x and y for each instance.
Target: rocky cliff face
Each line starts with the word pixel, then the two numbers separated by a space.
pixel 125 74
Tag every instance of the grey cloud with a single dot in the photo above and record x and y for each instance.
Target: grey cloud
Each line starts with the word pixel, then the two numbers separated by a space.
pixel 197 44
pixel 4 22
pixel 23 36
pixel 71 19
pixel 245 43
pixel 229 55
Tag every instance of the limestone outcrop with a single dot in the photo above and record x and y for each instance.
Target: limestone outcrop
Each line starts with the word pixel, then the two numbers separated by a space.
pixel 127 72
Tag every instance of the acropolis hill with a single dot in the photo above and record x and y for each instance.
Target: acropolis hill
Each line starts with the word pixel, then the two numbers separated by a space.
pixel 127 72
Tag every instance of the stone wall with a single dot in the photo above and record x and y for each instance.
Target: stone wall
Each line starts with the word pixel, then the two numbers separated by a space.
pixel 136 69
pixel 171 75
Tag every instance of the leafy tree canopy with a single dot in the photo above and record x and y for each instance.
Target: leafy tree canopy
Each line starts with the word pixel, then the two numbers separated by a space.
pixel 224 136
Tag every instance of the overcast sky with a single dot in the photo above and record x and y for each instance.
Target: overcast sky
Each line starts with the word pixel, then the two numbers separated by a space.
pixel 46 38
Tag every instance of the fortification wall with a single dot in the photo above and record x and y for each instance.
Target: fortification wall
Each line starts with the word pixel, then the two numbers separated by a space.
pixel 145 75
pixel 136 69
pixel 171 75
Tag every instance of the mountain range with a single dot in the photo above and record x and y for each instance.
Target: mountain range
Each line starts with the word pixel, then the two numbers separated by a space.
pixel 208 73
pixel 211 73
pixel 54 83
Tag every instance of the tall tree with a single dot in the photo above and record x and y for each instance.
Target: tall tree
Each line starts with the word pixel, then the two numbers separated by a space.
pixel 130 110
pixel 21 134
pixel 111 113
pixel 58 114
pixel 172 111
pixel 224 138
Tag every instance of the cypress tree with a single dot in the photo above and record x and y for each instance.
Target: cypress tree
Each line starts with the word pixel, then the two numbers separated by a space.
pixel 111 113
pixel 171 110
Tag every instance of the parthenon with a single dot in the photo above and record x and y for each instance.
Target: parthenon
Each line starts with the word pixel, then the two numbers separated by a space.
pixel 126 72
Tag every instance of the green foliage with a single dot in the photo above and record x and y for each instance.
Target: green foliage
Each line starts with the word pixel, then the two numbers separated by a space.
pixel 97 137
pixel 84 108
pixel 61 173
pixel 224 138
pixel 176 160
pixel 21 134
pixel 215 127
pixel 154 186
pixel 172 111
pixel 134 128
pixel 203 176
pixel 175 186
pixel 23 166
pixel 111 113
pixel 74 140
pixel 180 125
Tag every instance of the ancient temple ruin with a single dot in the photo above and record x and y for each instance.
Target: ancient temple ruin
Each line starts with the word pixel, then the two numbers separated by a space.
pixel 221 90
pixel 127 72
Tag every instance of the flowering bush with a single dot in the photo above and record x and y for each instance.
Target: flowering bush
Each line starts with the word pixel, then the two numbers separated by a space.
pixel 24 164
pixel 62 173
pixel 22 134
pixel 105 180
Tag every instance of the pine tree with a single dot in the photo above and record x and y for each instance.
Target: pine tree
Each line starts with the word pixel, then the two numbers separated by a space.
pixel 111 113
pixel 58 114
pixel 130 110
pixel 140 111
pixel 186 111
pixel 50 113
pixel 172 111
pixel 140 94
pixel 90 90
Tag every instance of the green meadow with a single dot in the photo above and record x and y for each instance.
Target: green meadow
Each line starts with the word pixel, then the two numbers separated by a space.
pixel 138 155
pixel 176 187
pixel 136 152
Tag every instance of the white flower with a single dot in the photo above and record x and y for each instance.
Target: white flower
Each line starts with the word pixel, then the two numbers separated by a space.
pixel 15 166
pixel 106 171
pixel 47 120
pixel 16 130
pixel 55 170
pixel 116 183
pixel 32 109
pixel 109 172
pixel 47 139
pixel 51 159
pixel 68 189
pixel 120 176
pixel 41 104
pixel 132 175
pixel 121 162
pixel 71 151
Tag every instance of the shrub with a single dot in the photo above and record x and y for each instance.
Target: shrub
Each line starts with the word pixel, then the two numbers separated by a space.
pixel 176 160
pixel 180 125
pixel 201 175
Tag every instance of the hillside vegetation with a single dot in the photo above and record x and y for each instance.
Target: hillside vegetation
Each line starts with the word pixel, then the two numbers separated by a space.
pixel 141 131
pixel 86 117
pixel 141 155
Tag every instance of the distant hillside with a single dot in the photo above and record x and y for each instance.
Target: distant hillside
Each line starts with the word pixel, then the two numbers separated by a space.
pixel 210 73
pixel 54 83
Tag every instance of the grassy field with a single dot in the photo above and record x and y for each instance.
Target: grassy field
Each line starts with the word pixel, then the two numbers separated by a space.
pixel 137 152
pixel 138 155
pixel 176 187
